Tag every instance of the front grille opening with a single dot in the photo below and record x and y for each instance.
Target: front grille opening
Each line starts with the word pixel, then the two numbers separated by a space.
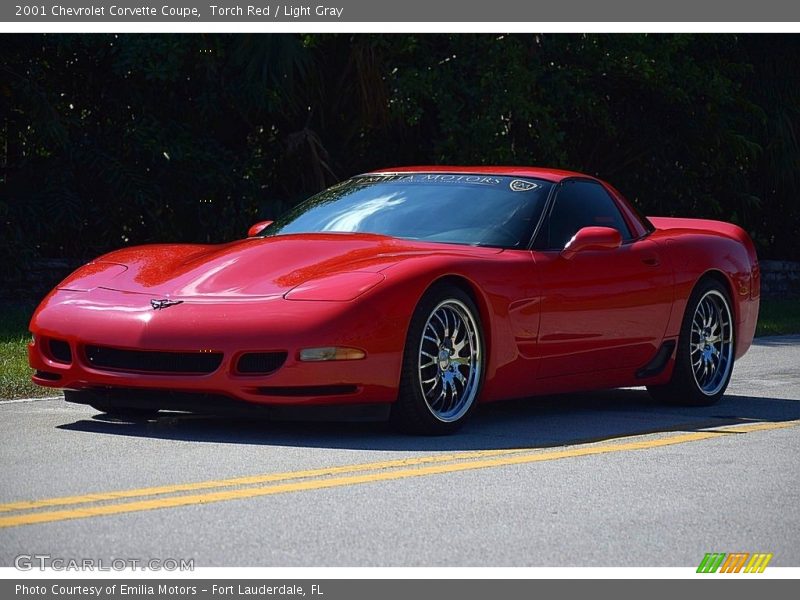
pixel 47 375
pixel 60 351
pixel 188 363
pixel 260 363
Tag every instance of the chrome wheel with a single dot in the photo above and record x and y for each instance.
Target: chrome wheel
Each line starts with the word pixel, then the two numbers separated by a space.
pixel 449 360
pixel 711 343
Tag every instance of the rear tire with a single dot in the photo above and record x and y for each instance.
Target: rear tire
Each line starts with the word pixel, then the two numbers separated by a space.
pixel 443 364
pixel 705 355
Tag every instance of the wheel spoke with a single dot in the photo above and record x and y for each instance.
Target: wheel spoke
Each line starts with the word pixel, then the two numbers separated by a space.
pixel 436 340
pixel 433 379
pixel 440 398
pixel 453 394
pixel 444 325
pixel 456 327
pixel 698 319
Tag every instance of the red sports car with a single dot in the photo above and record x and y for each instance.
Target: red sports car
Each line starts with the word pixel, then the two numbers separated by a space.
pixel 410 294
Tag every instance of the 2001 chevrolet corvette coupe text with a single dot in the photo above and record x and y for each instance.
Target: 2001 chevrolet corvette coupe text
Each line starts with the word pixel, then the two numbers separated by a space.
pixel 410 294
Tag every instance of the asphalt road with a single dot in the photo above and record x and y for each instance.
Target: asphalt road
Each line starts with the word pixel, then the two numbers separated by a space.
pixel 602 479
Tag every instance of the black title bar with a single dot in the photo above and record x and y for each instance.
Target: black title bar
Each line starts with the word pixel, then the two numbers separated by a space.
pixel 262 11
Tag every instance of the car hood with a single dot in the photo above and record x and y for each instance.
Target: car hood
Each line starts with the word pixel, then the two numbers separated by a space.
pixel 262 267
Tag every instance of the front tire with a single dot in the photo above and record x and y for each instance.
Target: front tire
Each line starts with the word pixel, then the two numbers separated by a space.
pixel 443 364
pixel 705 355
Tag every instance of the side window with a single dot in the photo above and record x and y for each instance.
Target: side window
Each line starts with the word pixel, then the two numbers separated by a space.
pixel 579 204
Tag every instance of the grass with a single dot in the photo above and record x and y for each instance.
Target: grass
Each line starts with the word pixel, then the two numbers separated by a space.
pixel 15 375
pixel 778 316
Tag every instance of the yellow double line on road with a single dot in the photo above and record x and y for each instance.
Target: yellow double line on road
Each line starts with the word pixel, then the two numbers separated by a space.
pixel 205 492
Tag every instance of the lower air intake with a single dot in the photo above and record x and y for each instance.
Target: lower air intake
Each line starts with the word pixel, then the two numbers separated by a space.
pixel 187 363
pixel 260 363
pixel 60 351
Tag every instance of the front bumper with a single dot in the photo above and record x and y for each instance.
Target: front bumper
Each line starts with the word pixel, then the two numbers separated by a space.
pixel 126 321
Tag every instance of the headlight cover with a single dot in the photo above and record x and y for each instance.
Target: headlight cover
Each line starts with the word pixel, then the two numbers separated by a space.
pixel 341 287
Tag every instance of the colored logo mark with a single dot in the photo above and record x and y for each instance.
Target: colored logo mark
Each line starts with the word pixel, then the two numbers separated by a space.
pixel 736 562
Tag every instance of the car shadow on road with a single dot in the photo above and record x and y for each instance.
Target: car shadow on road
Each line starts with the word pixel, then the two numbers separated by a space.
pixel 777 341
pixel 531 423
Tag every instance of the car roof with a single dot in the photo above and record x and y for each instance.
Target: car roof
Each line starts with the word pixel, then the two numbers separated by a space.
pixel 554 175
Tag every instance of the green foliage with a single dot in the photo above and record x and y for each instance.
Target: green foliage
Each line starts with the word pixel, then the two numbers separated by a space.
pixel 15 375
pixel 778 316
pixel 662 117
pixel 110 140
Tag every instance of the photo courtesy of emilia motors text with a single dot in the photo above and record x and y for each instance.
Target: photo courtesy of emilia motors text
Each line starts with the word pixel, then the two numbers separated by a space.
pixel 350 299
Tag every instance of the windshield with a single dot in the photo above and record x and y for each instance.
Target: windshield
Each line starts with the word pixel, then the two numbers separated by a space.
pixel 481 210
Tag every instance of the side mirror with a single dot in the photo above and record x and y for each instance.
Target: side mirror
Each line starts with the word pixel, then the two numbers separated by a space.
pixel 258 228
pixel 592 238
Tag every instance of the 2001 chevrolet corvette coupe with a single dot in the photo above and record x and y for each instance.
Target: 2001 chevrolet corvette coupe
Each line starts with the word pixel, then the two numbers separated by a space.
pixel 410 294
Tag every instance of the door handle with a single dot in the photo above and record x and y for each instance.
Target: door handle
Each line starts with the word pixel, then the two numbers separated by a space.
pixel 651 261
